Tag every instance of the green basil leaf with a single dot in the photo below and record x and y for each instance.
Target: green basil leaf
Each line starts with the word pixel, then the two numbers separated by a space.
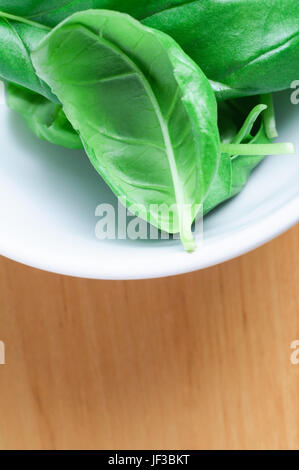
pixel 17 40
pixel 251 47
pixel 246 47
pixel 146 113
pixel 45 118
pixel 52 12
pixel 220 189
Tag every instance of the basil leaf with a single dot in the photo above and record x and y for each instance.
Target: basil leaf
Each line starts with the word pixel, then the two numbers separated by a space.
pixel 17 40
pixel 52 12
pixel 45 118
pixel 146 114
pixel 246 47
pixel 251 47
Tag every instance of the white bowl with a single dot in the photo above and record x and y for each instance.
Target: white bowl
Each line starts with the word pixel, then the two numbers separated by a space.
pixel 48 197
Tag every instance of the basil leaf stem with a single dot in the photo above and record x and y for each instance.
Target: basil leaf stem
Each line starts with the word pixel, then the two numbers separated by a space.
pixel 258 149
pixel 269 116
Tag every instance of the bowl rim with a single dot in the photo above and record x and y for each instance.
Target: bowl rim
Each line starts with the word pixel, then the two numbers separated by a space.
pixel 230 246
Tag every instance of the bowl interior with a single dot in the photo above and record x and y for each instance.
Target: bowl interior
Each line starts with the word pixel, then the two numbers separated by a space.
pixel 48 198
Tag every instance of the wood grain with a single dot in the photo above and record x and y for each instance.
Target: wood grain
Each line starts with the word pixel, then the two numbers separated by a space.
pixel 200 361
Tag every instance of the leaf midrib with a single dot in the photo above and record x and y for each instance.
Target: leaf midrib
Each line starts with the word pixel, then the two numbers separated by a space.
pixel 178 190
pixel 25 49
pixel 51 10
pixel 250 61
pixel 183 4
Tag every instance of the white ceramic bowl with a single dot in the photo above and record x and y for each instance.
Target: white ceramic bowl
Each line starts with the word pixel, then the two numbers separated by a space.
pixel 48 197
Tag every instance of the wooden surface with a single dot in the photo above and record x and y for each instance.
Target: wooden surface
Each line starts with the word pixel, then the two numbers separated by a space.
pixel 200 361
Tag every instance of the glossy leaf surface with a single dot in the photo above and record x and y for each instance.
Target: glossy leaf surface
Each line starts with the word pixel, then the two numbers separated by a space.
pixel 249 46
pixel 146 114
pixel 17 40
pixel 45 118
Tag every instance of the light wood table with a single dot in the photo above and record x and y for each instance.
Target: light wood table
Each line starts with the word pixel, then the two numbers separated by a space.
pixel 200 361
